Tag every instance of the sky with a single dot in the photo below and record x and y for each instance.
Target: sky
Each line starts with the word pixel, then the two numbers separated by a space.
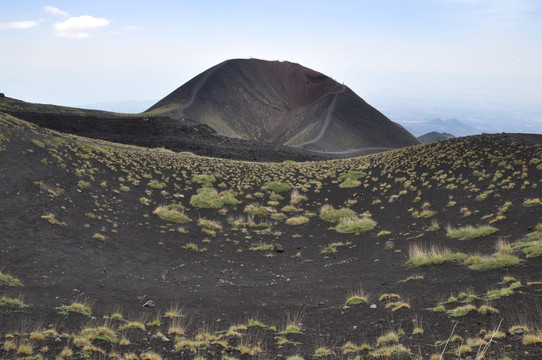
pixel 73 52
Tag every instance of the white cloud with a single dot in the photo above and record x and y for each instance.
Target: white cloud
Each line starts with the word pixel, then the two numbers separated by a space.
pixel 19 25
pixel 55 11
pixel 79 26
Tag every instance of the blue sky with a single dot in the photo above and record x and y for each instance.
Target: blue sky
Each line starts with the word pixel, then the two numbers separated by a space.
pixel 73 52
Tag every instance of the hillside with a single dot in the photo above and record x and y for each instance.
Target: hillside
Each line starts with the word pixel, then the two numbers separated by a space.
pixel 408 254
pixel 434 136
pixel 283 103
pixel 151 132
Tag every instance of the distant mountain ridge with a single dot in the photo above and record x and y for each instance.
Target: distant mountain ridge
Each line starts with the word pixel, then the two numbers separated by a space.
pixel 434 136
pixel 282 103
pixel 451 126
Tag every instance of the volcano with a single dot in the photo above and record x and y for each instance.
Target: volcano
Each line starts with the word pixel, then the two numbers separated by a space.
pixel 283 103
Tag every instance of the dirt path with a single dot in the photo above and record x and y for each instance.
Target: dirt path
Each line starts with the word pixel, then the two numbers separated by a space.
pixel 327 119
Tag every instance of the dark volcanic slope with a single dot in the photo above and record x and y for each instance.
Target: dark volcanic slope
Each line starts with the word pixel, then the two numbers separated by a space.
pixel 283 103
pixel 150 131
pixel 88 225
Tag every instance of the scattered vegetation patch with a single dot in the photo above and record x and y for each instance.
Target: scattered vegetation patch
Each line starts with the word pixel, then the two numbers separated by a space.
pixel 7 302
pixel 297 220
pixel 277 186
pixel 470 232
pixel 421 256
pixel 172 213
pixel 75 307
pixel 7 280
pixel 351 179
pixel 532 202
pixel 328 213
pixel 355 225
pixel 155 184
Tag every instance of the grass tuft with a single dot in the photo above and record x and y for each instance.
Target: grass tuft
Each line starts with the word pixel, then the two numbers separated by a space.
pixel 470 232
pixel 355 225
pixel 420 256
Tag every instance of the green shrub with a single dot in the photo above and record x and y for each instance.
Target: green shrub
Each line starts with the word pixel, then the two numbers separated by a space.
pixel 155 184
pixel 355 225
pixel 8 280
pixel 532 202
pixel 207 198
pixel 8 302
pixel 351 179
pixel 328 213
pixel 76 307
pixel 278 186
pixel 298 220
pixel 172 214
pixel 495 262
pixel 228 197
pixel 206 180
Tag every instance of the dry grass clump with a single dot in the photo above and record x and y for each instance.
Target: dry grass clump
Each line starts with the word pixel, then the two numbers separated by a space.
pixel 532 202
pixel 434 255
pixel 51 219
pixel 296 197
pixel 503 257
pixel 172 213
pixel 76 307
pixel 8 302
pixel 357 297
pixel 328 213
pixel 354 225
pixel 8 280
pixel 470 232
pixel 297 220
pixel 277 186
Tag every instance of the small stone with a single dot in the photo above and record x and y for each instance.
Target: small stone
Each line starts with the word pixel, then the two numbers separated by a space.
pixel 373 306
pixel 57 339
pixel 278 248
pixel 165 338
pixel 149 303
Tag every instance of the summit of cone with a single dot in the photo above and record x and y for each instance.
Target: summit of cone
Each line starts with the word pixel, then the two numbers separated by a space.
pixel 284 103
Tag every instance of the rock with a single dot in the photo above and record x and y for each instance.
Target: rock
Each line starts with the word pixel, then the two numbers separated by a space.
pixel 373 306
pixel 149 303
pixel 165 338
pixel 278 248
